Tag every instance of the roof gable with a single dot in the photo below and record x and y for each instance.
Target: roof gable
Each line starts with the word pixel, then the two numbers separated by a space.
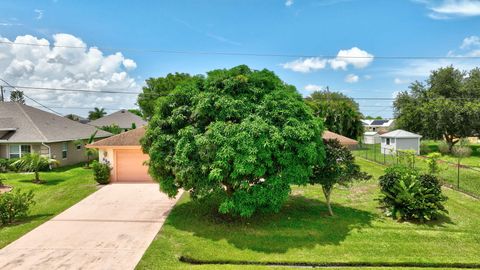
pixel 129 138
pixel 400 133
pixel 122 118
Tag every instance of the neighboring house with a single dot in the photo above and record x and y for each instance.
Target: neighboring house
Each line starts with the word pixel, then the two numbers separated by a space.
pixel 371 137
pixel 400 140
pixel 345 141
pixel 380 126
pixel 24 129
pixel 124 154
pixel 123 118
pixel 77 118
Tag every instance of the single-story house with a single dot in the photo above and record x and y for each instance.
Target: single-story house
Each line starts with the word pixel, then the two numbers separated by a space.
pixel 345 141
pixel 123 118
pixel 378 125
pixel 124 154
pixel 400 140
pixel 24 129
pixel 371 137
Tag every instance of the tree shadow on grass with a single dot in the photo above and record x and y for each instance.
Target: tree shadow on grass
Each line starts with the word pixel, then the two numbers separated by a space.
pixel 302 223
pixel 25 220
pixel 49 182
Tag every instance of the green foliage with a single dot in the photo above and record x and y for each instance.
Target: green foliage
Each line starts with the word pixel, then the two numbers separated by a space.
pixel 432 162
pixel 159 88
pixel 15 204
pixel 443 148
pixel 91 152
pixel 339 112
pixel 338 168
pixel 242 133
pixel 34 162
pixel 101 172
pixel 406 157
pixel 4 164
pixel 96 113
pixel 134 126
pixel 114 129
pixel 425 148
pixel 17 96
pixel 136 111
pixel 444 107
pixel 410 196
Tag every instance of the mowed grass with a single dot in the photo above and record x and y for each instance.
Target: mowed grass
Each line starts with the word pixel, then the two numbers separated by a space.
pixel 63 188
pixel 303 233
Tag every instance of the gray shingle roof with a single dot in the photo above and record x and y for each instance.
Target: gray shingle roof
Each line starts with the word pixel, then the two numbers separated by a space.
pixel 35 125
pixel 122 118
pixel 129 138
pixel 400 133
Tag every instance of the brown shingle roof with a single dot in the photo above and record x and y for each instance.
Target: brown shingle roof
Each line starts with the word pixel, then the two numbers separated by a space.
pixel 129 138
pixel 342 139
pixel 31 125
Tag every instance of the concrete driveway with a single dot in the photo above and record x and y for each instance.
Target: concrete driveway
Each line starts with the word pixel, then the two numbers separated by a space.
pixel 110 229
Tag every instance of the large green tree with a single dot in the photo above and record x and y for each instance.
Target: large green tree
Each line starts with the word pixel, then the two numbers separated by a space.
pixel 159 88
pixel 446 106
pixel 339 112
pixel 241 134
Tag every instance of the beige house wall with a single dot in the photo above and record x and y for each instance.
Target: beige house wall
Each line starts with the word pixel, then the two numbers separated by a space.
pixel 3 151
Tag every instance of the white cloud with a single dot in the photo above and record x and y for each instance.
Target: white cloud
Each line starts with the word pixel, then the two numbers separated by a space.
pixel 56 67
pixel 39 13
pixel 351 78
pixel 447 9
pixel 352 57
pixel 312 87
pixel 367 77
pixel 468 42
pixel 288 3
pixel 401 81
pixel 306 65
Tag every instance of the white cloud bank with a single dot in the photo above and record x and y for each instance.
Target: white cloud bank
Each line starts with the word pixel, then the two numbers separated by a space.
pixel 352 57
pixel 288 3
pixel 312 88
pixel 448 9
pixel 351 78
pixel 57 67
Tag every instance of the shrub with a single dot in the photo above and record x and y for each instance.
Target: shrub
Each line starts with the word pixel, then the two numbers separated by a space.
pixel 432 162
pixel 425 148
pixel 443 147
pixel 101 172
pixel 6 164
pixel 410 196
pixel 14 205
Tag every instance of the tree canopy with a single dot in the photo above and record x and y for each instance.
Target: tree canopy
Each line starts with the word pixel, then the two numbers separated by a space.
pixel 446 106
pixel 96 113
pixel 158 88
pixel 17 96
pixel 339 112
pixel 241 134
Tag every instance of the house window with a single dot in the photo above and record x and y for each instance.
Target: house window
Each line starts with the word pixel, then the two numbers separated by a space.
pixel 18 150
pixel 388 141
pixel 78 146
pixel 64 150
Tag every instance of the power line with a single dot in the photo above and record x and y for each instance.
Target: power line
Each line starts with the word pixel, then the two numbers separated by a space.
pixel 164 51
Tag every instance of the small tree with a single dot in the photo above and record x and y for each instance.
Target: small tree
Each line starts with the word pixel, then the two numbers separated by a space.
pixel 89 152
pixel 460 152
pixel 96 113
pixel 17 96
pixel 34 162
pixel 339 168
pixel 432 162
pixel 114 129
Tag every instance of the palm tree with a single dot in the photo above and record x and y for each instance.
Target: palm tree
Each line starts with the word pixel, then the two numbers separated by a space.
pixel 34 162
pixel 90 151
pixel 96 113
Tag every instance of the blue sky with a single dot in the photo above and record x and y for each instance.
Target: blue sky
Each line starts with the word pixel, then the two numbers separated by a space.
pixel 289 27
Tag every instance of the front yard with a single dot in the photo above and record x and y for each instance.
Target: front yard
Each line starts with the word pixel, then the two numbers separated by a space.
pixel 302 233
pixel 63 188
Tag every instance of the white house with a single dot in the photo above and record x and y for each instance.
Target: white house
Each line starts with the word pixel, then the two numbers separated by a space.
pixel 371 137
pixel 378 125
pixel 400 140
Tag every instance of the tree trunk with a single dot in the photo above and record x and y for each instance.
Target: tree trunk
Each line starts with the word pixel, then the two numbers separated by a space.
pixel 450 141
pixel 327 192
pixel 37 177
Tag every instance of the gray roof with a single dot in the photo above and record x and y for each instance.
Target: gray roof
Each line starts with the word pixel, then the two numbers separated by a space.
pixel 24 124
pixel 400 133
pixel 122 118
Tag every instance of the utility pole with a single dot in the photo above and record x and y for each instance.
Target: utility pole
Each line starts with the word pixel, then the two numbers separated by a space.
pixel 1 94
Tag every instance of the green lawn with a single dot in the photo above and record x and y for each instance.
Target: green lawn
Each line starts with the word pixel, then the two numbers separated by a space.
pixel 469 178
pixel 63 188
pixel 302 232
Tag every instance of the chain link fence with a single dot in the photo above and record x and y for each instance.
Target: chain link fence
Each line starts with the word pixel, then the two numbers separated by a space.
pixel 455 175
